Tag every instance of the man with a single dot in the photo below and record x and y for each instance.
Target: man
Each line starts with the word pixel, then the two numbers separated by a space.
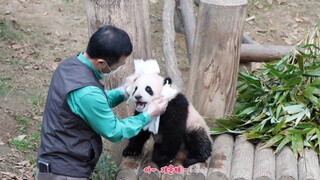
pixel 78 109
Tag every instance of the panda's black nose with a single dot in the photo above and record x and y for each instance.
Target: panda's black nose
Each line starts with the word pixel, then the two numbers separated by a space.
pixel 138 97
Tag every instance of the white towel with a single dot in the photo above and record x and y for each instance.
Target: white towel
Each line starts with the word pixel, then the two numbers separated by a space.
pixel 168 93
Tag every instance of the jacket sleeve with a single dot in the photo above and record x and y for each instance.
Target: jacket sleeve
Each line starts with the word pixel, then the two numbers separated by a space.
pixel 115 97
pixel 93 107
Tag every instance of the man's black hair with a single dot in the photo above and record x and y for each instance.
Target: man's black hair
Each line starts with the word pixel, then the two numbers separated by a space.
pixel 109 43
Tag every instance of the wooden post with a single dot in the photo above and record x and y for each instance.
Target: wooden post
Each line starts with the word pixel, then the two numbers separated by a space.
pixel 215 56
pixel 133 17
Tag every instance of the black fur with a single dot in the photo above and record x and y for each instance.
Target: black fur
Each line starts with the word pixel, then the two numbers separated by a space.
pixel 174 134
pixel 149 90
pixel 167 80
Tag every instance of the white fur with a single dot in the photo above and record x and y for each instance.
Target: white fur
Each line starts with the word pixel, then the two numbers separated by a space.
pixel 147 79
pixel 147 66
pixel 195 120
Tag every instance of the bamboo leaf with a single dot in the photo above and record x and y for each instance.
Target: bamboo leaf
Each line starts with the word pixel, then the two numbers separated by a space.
pixel 279 110
pixel 314 72
pixel 308 93
pixel 248 110
pixel 315 82
pixel 298 131
pixel 297 117
pixel 284 142
pixel 278 126
pixel 272 141
pixel 318 137
pixel 293 109
pixel 217 131
pixel 283 97
pixel 227 124
pixel 304 113
pixel 297 144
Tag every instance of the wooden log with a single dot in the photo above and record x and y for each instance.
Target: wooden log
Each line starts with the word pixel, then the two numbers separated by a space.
pixel 309 166
pixel 246 65
pixel 174 175
pixel 215 56
pixel 149 170
pixel 264 164
pixel 220 164
pixel 286 165
pixel 243 157
pixel 179 172
pixel 198 171
pixel 129 168
pixel 263 53
pixel 246 39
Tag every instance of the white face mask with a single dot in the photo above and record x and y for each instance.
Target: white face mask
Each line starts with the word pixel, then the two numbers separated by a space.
pixel 115 70
pixel 112 71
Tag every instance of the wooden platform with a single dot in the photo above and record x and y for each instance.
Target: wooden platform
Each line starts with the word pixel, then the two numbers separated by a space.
pixel 232 159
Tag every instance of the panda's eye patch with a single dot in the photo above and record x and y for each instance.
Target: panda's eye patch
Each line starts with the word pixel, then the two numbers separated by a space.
pixel 149 90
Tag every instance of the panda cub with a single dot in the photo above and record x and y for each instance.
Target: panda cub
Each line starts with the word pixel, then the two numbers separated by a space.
pixel 181 126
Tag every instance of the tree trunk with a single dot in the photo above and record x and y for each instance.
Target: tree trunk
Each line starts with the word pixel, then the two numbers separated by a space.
pixel 215 56
pixel 133 17
pixel 189 24
pixel 168 43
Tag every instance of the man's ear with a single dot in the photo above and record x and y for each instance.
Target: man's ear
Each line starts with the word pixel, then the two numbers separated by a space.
pixel 101 61
pixel 167 80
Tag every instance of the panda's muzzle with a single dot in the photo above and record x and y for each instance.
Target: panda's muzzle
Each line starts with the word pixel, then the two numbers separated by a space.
pixel 139 104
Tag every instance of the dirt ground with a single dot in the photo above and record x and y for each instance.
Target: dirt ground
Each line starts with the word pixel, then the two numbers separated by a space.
pixel 48 31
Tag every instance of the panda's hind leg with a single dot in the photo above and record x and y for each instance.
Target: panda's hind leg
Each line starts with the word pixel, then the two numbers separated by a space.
pixel 198 145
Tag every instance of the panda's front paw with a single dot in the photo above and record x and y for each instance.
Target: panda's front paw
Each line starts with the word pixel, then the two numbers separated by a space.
pixel 131 151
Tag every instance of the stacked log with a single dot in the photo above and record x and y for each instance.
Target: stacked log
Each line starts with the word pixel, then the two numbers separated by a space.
pixel 309 166
pixel 243 158
pixel 264 164
pixel 221 158
pixel 232 159
pixel 286 165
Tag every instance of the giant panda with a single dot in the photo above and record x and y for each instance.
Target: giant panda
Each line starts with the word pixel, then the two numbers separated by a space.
pixel 181 126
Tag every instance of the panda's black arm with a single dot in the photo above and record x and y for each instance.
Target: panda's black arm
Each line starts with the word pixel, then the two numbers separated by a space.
pixel 136 143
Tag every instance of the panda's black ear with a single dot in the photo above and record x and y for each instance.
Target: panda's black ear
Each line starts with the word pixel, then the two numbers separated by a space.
pixel 167 80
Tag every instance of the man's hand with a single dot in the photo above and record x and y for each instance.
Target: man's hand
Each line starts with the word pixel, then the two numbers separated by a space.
pixel 126 85
pixel 157 107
